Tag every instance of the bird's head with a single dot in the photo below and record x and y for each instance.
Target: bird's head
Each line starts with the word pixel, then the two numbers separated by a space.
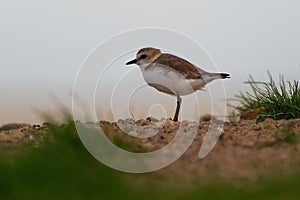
pixel 145 56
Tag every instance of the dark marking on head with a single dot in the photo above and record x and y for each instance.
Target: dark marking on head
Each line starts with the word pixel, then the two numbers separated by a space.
pixel 143 56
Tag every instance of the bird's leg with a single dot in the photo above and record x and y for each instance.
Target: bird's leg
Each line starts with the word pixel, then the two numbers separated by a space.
pixel 177 109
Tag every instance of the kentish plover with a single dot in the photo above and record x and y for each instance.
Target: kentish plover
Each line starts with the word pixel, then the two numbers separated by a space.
pixel 172 75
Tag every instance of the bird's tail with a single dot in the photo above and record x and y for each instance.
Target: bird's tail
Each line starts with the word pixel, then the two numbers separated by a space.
pixel 224 75
pixel 213 76
pixel 207 78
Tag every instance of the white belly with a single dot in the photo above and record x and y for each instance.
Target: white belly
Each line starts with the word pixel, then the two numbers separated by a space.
pixel 171 82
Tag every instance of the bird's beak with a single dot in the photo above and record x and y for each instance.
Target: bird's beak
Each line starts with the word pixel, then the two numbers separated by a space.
pixel 131 62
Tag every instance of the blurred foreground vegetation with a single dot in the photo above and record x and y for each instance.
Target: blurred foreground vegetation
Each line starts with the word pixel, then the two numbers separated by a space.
pixel 61 168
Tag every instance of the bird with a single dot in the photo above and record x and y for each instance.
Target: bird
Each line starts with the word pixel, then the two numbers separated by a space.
pixel 171 74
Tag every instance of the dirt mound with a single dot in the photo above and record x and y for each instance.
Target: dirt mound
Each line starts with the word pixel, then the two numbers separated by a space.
pixel 245 150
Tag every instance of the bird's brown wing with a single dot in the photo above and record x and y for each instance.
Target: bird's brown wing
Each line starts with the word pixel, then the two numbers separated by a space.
pixel 187 69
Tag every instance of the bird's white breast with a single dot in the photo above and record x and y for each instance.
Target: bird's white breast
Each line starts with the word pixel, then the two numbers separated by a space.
pixel 171 80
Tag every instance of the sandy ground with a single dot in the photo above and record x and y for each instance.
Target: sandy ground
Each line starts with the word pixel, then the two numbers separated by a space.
pixel 246 150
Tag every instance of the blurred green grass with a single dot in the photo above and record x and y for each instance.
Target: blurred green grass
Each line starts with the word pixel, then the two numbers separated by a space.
pixel 63 169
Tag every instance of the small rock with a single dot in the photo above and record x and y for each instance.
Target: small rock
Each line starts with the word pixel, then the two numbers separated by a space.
pixel 36 126
pixel 133 133
pixel 142 122
pixel 249 114
pixel 170 123
pixel 206 117
pixel 152 119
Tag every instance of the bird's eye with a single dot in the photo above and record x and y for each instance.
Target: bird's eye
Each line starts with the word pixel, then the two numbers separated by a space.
pixel 143 56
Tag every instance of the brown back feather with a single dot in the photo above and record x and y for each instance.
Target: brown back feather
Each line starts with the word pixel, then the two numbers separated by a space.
pixel 187 69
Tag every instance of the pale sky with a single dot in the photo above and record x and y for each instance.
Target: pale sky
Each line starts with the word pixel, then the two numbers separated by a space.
pixel 43 43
